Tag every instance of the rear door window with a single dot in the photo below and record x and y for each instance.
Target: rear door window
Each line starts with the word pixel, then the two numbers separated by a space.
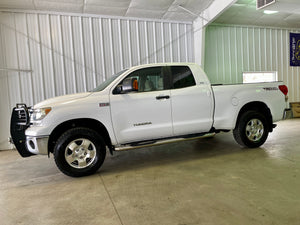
pixel 181 77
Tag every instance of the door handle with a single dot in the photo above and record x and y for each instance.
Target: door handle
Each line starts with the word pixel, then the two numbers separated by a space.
pixel 162 97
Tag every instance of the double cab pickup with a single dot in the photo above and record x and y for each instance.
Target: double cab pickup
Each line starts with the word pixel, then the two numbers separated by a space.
pixel 141 106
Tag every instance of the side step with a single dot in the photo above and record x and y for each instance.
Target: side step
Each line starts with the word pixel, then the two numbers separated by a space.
pixel 151 143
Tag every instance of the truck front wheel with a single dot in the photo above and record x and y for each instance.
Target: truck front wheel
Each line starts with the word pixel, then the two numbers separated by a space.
pixel 79 152
pixel 251 130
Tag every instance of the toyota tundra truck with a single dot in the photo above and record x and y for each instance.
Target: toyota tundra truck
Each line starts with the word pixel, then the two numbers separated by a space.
pixel 143 106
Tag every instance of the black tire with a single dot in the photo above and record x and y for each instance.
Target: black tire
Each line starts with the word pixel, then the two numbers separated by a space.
pixel 79 152
pixel 252 129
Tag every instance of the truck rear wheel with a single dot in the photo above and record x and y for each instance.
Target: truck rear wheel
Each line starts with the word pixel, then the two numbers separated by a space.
pixel 79 152
pixel 252 129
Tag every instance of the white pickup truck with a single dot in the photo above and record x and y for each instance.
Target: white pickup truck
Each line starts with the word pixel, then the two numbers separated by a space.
pixel 141 106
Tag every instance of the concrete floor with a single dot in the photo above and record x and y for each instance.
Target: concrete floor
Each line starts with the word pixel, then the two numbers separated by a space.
pixel 205 181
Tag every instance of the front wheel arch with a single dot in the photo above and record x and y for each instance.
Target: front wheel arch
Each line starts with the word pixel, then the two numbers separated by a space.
pixel 79 152
pixel 82 122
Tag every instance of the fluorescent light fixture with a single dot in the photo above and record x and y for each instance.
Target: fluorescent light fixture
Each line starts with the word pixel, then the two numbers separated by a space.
pixel 270 12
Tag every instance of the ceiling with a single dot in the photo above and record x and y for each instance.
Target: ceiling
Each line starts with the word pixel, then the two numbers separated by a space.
pixel 152 9
pixel 244 12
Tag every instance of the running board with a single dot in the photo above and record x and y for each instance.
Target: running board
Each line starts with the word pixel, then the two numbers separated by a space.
pixel 151 143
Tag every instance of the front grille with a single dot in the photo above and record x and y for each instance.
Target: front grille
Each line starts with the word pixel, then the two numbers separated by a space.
pixel 23 117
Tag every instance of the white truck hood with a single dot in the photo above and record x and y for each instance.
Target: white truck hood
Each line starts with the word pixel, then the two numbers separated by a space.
pixel 61 99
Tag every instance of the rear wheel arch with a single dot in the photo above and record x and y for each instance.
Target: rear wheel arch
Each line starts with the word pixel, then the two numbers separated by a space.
pixel 84 122
pixel 260 107
pixel 252 129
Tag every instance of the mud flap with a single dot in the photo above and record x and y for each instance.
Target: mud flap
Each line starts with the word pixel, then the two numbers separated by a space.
pixel 19 122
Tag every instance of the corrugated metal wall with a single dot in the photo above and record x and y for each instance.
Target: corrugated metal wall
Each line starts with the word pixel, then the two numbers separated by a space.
pixel 47 55
pixel 231 50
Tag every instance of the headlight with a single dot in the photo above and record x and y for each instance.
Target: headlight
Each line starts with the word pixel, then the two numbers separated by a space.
pixel 39 114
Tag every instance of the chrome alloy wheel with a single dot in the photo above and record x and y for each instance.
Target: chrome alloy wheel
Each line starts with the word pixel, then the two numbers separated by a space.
pixel 254 130
pixel 80 153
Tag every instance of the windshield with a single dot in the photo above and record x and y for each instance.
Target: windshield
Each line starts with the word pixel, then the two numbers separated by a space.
pixel 102 86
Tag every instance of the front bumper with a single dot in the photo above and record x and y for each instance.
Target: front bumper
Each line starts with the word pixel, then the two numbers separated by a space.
pixel 37 145
pixel 27 139
pixel 19 122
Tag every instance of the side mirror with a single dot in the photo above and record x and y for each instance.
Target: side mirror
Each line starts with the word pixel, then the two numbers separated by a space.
pixel 118 90
pixel 130 84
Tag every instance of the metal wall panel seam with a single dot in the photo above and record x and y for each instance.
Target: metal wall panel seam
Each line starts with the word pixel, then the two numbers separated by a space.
pixel 111 46
pixel 276 54
pixel 51 52
pixel 178 42
pixel 185 43
pixel 83 55
pixel 248 49
pixel 146 42
pixel 92 36
pixel 154 40
pixel 191 52
pixel 287 58
pixel 102 50
pixel 236 53
pixel 265 49
pixel 63 56
pixel 229 56
pixel 242 49
pixel 162 42
pixel 259 47
pixel 138 43
pixel 29 59
pixel 129 42
pixel 223 54
pixel 217 58
pixel 282 64
pixel 271 44
pixel 41 60
pixel 253 48
pixel 171 44
pixel 73 53
pixel 120 43
pixel 18 63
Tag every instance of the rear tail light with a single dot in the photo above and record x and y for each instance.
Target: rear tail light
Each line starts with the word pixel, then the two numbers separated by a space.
pixel 284 89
